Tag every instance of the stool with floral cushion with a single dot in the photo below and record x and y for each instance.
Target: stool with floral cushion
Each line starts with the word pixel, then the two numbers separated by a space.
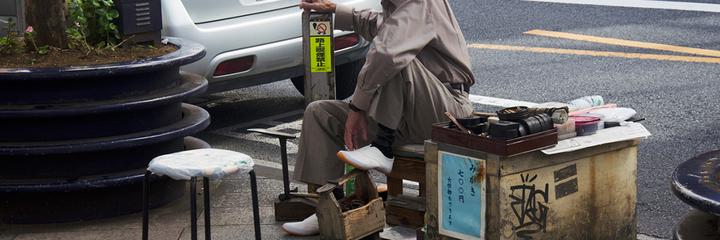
pixel 210 164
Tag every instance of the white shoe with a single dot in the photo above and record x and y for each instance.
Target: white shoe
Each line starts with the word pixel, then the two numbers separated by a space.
pixel 307 227
pixel 367 158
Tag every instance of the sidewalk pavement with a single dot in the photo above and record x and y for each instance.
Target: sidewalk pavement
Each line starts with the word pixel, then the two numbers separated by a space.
pixel 231 217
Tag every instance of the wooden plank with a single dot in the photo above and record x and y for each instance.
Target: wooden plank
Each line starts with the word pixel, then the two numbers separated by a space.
pixel 492 211
pixel 431 149
pixel 431 195
pixel 412 169
pixel 410 151
pixel 364 221
pixel 400 216
pixel 406 211
pixel 395 186
pixel 330 216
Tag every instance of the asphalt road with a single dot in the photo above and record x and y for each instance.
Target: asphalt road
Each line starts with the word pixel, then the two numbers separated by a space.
pixel 678 98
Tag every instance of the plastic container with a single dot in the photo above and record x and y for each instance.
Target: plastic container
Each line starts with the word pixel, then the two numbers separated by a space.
pixel 586 102
pixel 566 130
pixel 586 125
pixel 601 124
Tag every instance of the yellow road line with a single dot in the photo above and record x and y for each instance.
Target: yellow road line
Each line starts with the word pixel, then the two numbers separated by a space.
pixel 627 43
pixel 597 53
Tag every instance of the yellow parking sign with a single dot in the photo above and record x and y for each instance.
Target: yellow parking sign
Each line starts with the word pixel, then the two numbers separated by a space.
pixel 320 54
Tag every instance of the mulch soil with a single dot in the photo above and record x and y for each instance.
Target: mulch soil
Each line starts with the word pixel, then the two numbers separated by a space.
pixel 73 57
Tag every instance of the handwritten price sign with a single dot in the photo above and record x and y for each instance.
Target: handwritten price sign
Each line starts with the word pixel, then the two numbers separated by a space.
pixel 461 194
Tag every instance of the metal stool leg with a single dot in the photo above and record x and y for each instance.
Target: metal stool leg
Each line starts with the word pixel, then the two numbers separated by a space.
pixel 206 201
pixel 256 209
pixel 145 200
pixel 193 209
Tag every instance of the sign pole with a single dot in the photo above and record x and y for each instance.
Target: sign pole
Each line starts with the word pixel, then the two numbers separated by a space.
pixel 319 56
pixel 319 52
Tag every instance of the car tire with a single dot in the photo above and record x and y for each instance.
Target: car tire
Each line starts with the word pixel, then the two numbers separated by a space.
pixel 345 78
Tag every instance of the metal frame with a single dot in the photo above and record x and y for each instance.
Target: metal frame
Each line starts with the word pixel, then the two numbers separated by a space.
pixel 193 206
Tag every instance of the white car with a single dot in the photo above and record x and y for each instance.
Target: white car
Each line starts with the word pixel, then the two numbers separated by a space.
pixel 251 42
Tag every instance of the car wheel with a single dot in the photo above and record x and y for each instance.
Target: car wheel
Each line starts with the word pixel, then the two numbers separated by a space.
pixel 345 79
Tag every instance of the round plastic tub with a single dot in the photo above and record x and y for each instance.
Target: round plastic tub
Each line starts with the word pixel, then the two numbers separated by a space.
pixel 586 125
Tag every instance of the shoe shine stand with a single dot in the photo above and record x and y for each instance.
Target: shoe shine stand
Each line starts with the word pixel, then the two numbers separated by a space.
pixel 357 216
pixel 319 59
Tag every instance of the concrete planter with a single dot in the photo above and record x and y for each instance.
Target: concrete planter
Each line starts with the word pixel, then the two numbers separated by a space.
pixel 74 141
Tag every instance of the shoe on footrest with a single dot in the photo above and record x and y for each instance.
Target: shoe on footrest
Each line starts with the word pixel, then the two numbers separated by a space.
pixel 307 227
pixel 366 158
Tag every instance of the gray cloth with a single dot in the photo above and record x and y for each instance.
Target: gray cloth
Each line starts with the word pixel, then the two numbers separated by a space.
pixel 405 83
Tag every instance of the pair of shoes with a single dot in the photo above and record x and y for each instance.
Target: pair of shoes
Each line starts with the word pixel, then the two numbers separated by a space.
pixel 366 158
pixel 307 227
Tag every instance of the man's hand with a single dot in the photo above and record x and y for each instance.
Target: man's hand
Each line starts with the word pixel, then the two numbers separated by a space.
pixel 317 5
pixel 356 130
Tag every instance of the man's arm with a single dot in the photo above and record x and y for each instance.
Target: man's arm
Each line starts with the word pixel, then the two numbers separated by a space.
pixel 399 40
pixel 363 22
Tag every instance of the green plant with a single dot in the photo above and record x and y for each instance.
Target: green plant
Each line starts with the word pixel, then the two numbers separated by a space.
pixel 11 43
pixel 92 26
pixel 30 36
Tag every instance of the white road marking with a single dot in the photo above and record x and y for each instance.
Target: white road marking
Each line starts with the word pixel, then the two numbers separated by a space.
pixel 683 6
pixel 498 102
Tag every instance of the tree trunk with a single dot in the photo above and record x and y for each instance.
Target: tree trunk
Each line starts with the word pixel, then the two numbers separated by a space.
pixel 48 19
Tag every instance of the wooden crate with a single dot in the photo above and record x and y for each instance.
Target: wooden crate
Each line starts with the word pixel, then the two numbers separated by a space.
pixel 442 133
pixel 585 194
pixel 356 223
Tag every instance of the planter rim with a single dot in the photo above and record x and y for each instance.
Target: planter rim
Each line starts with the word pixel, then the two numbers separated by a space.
pixel 187 52
pixel 192 85
pixel 194 120
pixel 688 186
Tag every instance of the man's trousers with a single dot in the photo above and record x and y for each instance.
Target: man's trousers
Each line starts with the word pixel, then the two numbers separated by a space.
pixel 410 103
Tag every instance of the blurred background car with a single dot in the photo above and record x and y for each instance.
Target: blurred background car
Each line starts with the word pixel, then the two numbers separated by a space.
pixel 252 42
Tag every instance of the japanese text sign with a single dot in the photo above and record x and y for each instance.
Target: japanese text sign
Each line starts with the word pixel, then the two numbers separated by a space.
pixel 461 196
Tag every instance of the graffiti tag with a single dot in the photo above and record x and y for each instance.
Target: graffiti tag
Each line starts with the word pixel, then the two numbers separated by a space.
pixel 530 207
